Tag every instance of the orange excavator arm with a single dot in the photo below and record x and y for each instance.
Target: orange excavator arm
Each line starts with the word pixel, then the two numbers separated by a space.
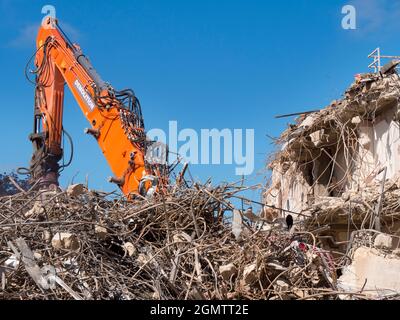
pixel 115 117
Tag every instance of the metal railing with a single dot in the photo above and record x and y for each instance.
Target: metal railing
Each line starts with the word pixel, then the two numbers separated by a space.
pixel 377 57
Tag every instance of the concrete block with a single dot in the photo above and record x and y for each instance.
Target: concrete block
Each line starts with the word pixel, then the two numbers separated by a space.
pixel 130 249
pixel 75 190
pixel 250 274
pixel 378 274
pixel 65 240
pixel 383 241
pixel 227 271
pixel 100 232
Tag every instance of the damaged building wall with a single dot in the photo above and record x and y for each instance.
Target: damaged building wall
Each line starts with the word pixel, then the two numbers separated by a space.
pixel 333 162
pixel 289 190
pixel 342 147
pixel 387 143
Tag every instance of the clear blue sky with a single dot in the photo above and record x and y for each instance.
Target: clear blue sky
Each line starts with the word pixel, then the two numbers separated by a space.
pixel 207 64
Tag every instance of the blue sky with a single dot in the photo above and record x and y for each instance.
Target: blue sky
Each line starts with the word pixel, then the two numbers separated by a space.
pixel 206 64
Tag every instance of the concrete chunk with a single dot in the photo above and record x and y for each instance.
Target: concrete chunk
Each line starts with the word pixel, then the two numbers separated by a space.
pixel 376 273
pixel 101 232
pixel 227 271
pixel 237 224
pixel 46 235
pixel 397 252
pixel 36 209
pixel 12 262
pixel 356 120
pixel 383 241
pixel 75 190
pixel 250 274
pixel 181 237
pixel 130 249
pixel 281 285
pixel 142 259
pixel 65 240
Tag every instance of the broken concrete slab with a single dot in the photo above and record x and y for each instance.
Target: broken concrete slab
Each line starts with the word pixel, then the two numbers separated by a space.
pixel 372 272
pixel 65 240
pixel 28 259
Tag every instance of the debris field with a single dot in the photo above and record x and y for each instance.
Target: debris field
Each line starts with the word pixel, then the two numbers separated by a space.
pixel 81 244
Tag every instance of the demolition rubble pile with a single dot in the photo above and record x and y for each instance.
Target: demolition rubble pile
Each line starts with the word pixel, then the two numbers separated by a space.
pixel 337 173
pixel 80 244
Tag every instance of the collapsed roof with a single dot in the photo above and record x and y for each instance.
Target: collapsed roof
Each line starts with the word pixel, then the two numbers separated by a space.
pixel 343 158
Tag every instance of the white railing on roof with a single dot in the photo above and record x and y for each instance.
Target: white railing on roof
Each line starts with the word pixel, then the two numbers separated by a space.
pixel 378 58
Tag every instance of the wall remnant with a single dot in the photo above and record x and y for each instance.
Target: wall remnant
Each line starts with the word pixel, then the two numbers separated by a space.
pixel 339 167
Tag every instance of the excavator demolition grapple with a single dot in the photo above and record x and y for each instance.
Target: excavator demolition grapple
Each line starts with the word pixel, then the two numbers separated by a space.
pixel 115 118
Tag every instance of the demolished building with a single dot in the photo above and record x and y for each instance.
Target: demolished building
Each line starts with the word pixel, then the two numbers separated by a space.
pixel 333 163
pixel 337 170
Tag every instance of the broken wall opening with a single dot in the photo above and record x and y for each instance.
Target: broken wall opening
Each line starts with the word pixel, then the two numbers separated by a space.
pixel 333 162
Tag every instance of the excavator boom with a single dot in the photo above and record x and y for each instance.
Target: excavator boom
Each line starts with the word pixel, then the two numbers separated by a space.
pixel 115 117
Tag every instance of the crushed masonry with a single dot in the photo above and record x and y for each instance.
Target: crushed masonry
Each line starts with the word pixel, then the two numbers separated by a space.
pixel 175 246
pixel 328 229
